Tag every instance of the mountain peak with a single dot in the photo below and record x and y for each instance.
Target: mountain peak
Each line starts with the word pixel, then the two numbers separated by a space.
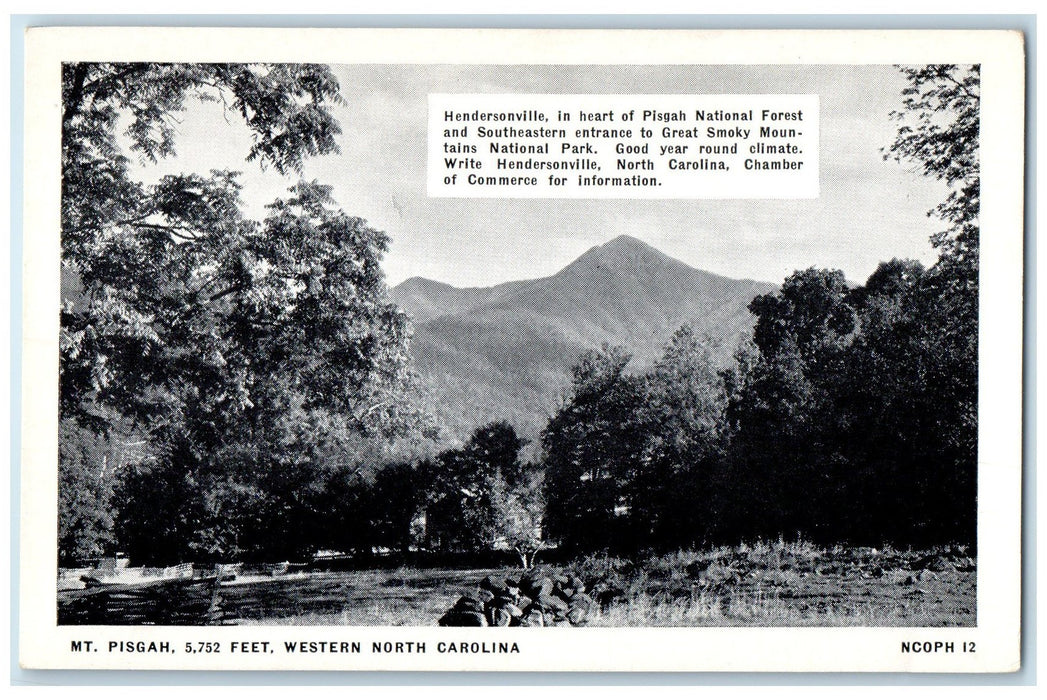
pixel 623 253
pixel 506 352
pixel 626 242
pixel 627 245
pixel 417 282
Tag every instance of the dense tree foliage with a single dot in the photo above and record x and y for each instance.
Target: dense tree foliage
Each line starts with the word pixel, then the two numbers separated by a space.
pixel 84 499
pixel 631 460
pixel 851 416
pixel 233 389
pixel 463 484
pixel 672 497
pixel 782 416
pixel 245 352
pixel 939 132
pixel 592 447
pixel 518 508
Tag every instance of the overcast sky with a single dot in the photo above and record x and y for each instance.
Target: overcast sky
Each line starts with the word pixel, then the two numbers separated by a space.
pixel 868 210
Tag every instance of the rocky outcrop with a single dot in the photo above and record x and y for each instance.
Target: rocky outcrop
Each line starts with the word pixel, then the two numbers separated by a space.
pixel 537 599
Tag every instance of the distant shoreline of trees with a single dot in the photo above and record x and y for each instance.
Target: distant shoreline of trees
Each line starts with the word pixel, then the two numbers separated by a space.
pixel 234 390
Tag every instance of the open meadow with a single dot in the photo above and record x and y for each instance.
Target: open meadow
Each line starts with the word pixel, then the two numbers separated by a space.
pixel 766 584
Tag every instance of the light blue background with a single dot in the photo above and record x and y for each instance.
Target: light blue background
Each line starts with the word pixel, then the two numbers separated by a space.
pixel 1024 23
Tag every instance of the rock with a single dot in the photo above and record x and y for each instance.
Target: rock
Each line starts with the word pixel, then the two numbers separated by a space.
pixel 533 618
pixel 535 584
pixel 551 602
pixel 494 585
pixel 468 604
pixel 577 616
pixel 500 617
pixel 546 601
pixel 463 619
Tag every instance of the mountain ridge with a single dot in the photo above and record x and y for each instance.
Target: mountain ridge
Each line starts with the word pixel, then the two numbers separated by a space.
pixel 505 352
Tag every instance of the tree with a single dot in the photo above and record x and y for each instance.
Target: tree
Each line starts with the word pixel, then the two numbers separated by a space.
pixel 246 351
pixel 809 312
pixel 470 489
pixel 938 127
pixel 787 465
pixel 852 417
pixel 396 497
pixel 916 440
pixel 518 513
pixel 684 391
pixel 84 502
pixel 939 132
pixel 673 500
pixel 591 449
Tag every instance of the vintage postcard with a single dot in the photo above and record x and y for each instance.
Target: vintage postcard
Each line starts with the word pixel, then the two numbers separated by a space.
pixel 522 350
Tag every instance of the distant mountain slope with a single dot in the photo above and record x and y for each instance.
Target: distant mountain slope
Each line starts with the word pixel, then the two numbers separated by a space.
pixel 425 299
pixel 505 352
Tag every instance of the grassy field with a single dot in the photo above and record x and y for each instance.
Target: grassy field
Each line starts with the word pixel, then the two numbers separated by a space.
pixel 397 597
pixel 765 584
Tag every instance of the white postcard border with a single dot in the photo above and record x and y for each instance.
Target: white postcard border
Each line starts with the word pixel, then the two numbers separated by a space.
pixel 45 645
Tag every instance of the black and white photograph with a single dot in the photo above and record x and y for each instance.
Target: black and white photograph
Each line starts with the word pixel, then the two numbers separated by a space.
pixel 389 345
